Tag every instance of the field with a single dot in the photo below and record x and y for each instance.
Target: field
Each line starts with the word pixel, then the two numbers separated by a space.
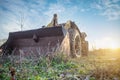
pixel 102 64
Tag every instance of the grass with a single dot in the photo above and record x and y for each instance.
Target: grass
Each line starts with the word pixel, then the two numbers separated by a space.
pixel 98 65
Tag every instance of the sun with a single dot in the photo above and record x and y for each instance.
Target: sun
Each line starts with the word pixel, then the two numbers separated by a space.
pixel 107 42
pixel 113 45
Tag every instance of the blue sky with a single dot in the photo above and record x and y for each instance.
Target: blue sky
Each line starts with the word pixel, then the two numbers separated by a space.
pixel 100 19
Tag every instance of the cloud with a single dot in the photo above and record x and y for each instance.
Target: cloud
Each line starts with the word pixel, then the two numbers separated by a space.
pixel 11 11
pixel 111 14
pixel 62 10
pixel 108 8
pixel 54 8
pixel 84 10
pixel 96 6
pixel 36 13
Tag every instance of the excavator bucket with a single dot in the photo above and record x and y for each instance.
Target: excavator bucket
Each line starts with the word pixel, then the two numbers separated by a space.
pixel 37 42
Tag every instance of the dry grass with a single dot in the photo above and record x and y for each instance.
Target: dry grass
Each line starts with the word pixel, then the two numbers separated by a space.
pixel 100 64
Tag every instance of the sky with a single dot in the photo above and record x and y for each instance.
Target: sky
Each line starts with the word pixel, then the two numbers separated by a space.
pixel 100 19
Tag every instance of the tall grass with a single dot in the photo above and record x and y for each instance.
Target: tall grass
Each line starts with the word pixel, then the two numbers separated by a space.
pixel 98 65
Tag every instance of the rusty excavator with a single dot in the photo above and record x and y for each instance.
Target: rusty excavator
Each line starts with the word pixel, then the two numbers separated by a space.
pixel 54 37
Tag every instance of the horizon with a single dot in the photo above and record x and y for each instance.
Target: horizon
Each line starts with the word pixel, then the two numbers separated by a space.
pixel 99 19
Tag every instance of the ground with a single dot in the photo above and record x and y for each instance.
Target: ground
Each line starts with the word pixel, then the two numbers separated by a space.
pixel 102 64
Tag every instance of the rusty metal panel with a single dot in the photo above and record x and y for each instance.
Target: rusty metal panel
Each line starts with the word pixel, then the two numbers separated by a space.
pixel 27 38
pixel 42 32
pixel 45 45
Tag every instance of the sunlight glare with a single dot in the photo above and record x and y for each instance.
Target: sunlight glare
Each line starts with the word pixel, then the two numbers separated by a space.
pixel 107 42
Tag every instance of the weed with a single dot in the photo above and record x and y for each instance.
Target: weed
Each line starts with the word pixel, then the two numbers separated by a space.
pixel 95 66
